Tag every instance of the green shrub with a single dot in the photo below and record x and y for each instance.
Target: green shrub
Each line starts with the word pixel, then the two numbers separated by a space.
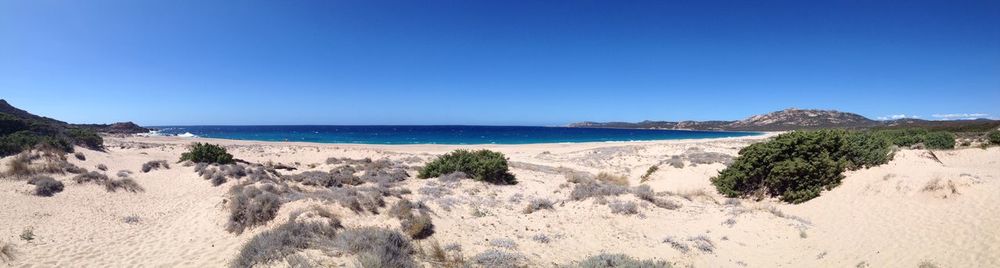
pixel 207 153
pixel 911 136
pixel 10 124
pixel 797 166
pixel 86 138
pixel 482 165
pixel 993 137
pixel 22 140
pixel 939 140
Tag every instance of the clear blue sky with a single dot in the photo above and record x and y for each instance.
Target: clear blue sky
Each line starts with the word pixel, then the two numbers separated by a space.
pixel 494 62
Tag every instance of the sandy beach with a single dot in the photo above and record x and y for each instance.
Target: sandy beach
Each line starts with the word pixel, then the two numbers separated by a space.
pixel 914 210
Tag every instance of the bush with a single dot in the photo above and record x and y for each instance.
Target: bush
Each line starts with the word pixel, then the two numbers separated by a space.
pixel 46 186
pixel 912 136
pixel 126 184
pixel 482 165
pixel 418 226
pixel 538 204
pixel 994 137
pixel 285 240
pixel 624 208
pixel 797 166
pixel 939 140
pixel 155 164
pixel 207 153
pixel 377 247
pixel 251 206
pixel 86 138
pixel 23 140
pixel 605 260
pixel 80 156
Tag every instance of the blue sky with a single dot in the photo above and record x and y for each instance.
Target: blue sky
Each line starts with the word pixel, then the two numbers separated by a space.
pixel 495 62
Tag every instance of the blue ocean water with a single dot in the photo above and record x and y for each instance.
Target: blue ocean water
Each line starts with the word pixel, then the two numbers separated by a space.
pixel 439 134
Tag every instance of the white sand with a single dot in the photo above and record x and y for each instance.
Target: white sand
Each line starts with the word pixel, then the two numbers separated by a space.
pixel 881 217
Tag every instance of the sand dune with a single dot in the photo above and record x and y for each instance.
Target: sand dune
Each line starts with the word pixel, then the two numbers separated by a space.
pixel 913 210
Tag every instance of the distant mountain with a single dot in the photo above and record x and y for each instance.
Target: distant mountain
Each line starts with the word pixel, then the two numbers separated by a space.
pixel 116 128
pixel 796 119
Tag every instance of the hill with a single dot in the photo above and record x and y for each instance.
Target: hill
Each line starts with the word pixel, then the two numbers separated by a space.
pixel 798 119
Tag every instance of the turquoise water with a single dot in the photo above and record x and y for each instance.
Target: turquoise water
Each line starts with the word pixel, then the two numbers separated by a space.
pixel 440 134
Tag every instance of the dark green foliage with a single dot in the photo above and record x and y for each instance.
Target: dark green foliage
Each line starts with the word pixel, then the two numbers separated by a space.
pixel 207 153
pixel 797 166
pixel 939 140
pixel 86 138
pixel 482 165
pixel 993 137
pixel 23 140
pixel 19 134
pixel 911 136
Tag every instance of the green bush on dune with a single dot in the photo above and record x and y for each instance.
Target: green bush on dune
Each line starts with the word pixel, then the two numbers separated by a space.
pixel 482 165
pixel 797 166
pixel 911 136
pixel 207 153
pixel 993 137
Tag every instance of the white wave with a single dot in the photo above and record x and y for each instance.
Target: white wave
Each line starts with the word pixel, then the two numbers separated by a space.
pixel 187 135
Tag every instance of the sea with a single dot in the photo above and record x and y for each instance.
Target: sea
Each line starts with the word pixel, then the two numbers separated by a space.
pixel 437 134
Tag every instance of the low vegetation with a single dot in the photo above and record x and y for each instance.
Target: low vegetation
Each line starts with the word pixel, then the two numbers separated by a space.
pixel 649 172
pixel 154 165
pixel 993 137
pixel 913 136
pixel 797 166
pixel 7 252
pixel 46 186
pixel 482 165
pixel 20 134
pixel 207 153
pixel 538 204
pixel 606 260
pixel 377 247
pixel 252 205
pixel 288 238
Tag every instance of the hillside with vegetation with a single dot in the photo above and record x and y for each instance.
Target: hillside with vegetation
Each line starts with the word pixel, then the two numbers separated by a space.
pixel 804 119
pixel 21 130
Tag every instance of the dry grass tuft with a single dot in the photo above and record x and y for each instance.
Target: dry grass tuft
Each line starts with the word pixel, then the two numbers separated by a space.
pixel 624 208
pixel 154 165
pixel 295 235
pixel 538 204
pixel 605 260
pixel 46 186
pixel 124 184
pixel 377 247
pixel 252 205
pixel 612 179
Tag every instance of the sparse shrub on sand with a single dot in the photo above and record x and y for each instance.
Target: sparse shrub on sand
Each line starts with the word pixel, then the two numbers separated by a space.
pixel 541 238
pixel 7 253
pixel 418 225
pixel 28 234
pixel 252 205
pixel 645 193
pixel 503 243
pixel 499 258
pixel 676 244
pixel 993 137
pixel 587 188
pixel 124 184
pixel 46 186
pixel 80 156
pixel 131 219
pixel 207 153
pixel 357 199
pixel 703 243
pixel 612 179
pixel 288 238
pixel 91 177
pixel 538 204
pixel 377 247
pixel 624 208
pixel 797 166
pixel 482 165
pixel 155 164
pixel 605 260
